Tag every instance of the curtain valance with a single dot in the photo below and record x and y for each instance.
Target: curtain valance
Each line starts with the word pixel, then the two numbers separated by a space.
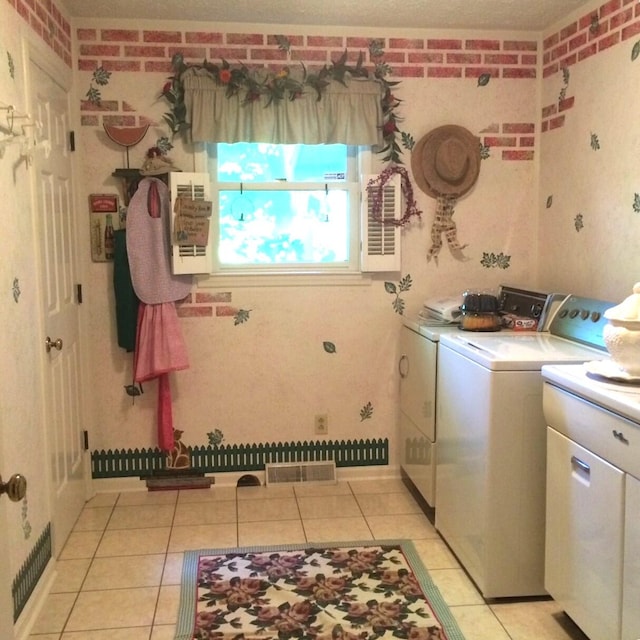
pixel 350 114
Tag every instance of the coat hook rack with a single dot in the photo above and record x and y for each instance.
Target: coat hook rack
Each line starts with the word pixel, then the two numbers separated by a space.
pixel 11 117
pixel 27 143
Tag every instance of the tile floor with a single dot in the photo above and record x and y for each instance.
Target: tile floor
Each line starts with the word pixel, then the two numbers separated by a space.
pixel 119 573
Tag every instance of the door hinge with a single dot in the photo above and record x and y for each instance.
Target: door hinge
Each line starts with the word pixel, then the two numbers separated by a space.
pixel 79 293
pixel 72 140
pixel 85 437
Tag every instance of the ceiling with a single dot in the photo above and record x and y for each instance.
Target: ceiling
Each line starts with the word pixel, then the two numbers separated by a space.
pixel 519 15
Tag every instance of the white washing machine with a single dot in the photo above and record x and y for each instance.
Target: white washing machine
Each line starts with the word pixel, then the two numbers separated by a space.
pixel 492 444
pixel 417 367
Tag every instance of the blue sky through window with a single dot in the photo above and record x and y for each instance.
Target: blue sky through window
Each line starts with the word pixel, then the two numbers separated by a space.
pixel 279 225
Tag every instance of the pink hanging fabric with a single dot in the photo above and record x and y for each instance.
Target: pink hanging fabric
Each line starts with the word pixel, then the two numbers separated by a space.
pixel 160 348
pixel 166 441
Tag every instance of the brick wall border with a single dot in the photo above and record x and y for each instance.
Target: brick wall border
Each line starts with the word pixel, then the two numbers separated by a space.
pixel 151 51
pixel 609 25
pixel 515 140
pixel 44 17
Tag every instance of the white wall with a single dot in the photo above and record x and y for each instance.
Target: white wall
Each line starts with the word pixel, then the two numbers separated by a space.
pixel 600 258
pixel 265 379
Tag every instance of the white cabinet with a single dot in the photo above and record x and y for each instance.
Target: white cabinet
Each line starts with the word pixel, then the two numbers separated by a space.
pixel 417 368
pixel 631 579
pixel 593 501
pixel 584 537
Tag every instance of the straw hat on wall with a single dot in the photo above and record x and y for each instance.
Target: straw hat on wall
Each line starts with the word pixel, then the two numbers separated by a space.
pixel 446 161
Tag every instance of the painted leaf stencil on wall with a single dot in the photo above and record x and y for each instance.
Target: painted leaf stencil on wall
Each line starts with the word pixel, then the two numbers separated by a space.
pixel 376 47
pixel 565 79
pixel 578 222
pixel 101 78
pixel 495 260
pixel 12 66
pixel 366 412
pixel 241 316
pixel 635 52
pixel 329 347
pixel 636 202
pixel 26 525
pixel 403 285
pixel 483 79
pixel 283 43
pixel 215 437
pixel 408 141
pixel 133 390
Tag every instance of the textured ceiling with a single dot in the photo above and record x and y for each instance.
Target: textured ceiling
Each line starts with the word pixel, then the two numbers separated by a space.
pixel 520 15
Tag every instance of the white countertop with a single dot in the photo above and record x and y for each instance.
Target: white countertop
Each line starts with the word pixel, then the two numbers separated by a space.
pixel 622 398
pixel 432 330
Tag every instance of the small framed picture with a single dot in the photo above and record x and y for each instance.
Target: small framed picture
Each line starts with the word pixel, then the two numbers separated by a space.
pixel 103 203
pixel 104 219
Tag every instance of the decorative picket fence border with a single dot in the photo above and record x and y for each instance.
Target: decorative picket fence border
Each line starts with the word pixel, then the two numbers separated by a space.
pixel 27 577
pixel 242 457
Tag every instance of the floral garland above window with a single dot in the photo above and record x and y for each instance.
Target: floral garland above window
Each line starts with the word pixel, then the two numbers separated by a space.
pixel 241 80
pixel 282 85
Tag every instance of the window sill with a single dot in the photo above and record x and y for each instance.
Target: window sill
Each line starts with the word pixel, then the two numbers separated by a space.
pixel 284 280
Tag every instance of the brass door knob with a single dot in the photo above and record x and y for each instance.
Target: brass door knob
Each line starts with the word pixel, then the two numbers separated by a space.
pixel 53 344
pixel 16 488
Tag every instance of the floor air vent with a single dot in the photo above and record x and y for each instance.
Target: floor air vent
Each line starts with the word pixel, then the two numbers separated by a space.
pixel 308 472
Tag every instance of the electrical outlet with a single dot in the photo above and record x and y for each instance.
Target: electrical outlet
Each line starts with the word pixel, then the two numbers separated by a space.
pixel 321 424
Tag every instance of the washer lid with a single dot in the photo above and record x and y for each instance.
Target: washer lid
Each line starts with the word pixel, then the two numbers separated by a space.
pixel 518 351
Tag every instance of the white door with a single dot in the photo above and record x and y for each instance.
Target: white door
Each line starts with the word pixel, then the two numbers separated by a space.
pixel 53 206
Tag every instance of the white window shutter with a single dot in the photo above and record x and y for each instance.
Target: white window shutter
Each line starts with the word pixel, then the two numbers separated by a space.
pixel 190 259
pixel 381 242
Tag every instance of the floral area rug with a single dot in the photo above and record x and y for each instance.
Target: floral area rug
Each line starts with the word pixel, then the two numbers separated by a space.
pixel 341 591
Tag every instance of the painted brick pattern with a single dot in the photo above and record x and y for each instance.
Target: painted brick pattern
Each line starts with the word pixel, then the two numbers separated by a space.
pixel 613 23
pixel 44 17
pixel 151 51
pixel 553 115
pixel 206 305
pixel 510 140
pixel 146 51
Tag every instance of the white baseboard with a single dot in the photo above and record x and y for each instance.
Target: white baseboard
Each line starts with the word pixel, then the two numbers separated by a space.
pixel 344 474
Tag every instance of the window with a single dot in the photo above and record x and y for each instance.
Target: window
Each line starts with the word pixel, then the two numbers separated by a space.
pixel 285 208
pixel 301 209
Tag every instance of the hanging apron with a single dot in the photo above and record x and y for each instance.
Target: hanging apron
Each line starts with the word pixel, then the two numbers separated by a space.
pixel 160 347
